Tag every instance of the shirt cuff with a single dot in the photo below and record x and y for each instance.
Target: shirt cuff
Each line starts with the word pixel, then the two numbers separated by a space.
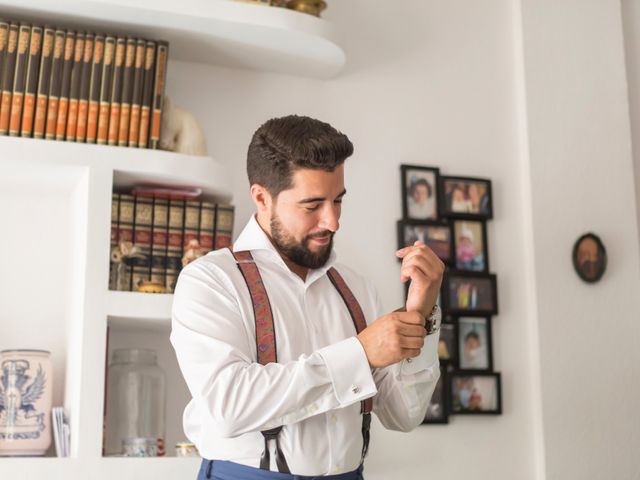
pixel 349 371
pixel 427 359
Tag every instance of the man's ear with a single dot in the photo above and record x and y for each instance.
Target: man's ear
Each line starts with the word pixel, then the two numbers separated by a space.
pixel 261 197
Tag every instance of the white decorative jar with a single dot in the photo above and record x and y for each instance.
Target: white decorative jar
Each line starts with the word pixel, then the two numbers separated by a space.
pixel 26 381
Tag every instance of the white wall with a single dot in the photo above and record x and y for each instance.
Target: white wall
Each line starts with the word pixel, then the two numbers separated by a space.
pixel 427 82
pixel 581 178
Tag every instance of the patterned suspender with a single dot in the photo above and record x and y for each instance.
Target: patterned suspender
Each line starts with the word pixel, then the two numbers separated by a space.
pixel 266 344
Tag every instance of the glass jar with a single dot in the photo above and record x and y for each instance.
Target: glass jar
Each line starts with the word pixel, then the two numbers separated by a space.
pixel 135 400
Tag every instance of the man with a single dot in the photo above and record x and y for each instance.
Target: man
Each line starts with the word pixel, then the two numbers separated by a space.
pixel 320 387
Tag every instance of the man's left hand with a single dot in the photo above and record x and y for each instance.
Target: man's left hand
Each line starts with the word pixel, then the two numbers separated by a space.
pixel 425 270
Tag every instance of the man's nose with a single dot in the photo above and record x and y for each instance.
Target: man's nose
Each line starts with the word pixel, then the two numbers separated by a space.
pixel 330 218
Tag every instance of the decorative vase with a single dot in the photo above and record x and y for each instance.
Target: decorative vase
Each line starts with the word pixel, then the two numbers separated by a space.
pixel 26 381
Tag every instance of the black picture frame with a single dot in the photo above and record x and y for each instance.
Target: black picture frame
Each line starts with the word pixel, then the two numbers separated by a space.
pixel 458 228
pixel 438 248
pixel 589 265
pixel 448 342
pixel 407 185
pixel 486 293
pixel 481 337
pixel 473 386
pixel 445 201
pixel 438 409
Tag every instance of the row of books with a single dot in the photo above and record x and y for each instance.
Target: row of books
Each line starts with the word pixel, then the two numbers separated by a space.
pixel 153 237
pixel 81 86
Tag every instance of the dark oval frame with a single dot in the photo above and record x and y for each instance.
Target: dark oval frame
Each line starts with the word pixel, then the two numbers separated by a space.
pixel 601 249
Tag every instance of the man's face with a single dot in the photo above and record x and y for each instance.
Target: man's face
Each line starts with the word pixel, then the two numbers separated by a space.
pixel 305 217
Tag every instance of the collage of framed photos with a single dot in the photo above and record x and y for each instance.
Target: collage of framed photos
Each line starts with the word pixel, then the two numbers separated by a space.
pixel 449 214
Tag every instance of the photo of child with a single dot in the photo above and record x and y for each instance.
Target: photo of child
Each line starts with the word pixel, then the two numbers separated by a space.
pixel 419 190
pixel 470 245
pixel 471 294
pixel 473 343
pixel 475 394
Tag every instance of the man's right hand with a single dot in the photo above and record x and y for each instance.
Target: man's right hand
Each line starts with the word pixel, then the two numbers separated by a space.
pixel 393 337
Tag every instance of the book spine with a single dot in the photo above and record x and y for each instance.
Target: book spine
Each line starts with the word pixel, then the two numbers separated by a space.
pixel 7 78
pixel 159 241
pixel 147 94
pixel 116 92
pixel 174 243
pixel 158 93
pixel 94 93
pixel 105 90
pixel 74 92
pixel 31 89
pixel 114 257
pixel 191 227
pixel 19 80
pixel 67 68
pixel 205 230
pixel 125 238
pixel 55 86
pixel 224 226
pixel 142 240
pixel 136 100
pixel 4 35
pixel 127 92
pixel 44 78
pixel 85 87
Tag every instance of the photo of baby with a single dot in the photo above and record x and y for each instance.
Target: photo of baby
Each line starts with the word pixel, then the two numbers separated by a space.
pixel 470 245
pixel 474 343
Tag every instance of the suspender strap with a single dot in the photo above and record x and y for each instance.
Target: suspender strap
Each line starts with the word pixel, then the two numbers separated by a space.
pixel 360 323
pixel 265 344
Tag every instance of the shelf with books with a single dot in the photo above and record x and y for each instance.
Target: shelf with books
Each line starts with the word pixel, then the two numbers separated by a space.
pixel 217 32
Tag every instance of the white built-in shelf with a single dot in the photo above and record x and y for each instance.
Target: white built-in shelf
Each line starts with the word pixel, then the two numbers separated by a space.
pixel 139 310
pixel 214 32
pixel 128 166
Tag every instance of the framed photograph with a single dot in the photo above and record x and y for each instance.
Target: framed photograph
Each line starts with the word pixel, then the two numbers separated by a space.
pixel 474 343
pixel 470 241
pixel 465 197
pixel 469 293
pixel 436 235
pixel 448 343
pixel 438 409
pixel 475 393
pixel 419 192
pixel 589 258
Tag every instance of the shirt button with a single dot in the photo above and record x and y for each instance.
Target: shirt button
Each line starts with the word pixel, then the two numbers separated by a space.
pixel 355 389
pixel 409 360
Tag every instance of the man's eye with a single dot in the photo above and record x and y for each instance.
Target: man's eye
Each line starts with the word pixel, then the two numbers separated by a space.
pixel 312 209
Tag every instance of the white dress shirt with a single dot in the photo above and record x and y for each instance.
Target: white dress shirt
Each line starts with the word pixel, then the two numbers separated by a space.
pixel 322 372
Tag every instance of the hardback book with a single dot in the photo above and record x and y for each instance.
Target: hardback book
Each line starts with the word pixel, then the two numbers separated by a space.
pixel 116 91
pixel 105 89
pixel 74 92
pixel 162 53
pixel 44 80
pixel 56 84
pixel 4 34
pixel 143 208
pixel 159 235
pixel 191 225
pixel 85 87
pixel 224 226
pixel 127 91
pixel 67 69
pixel 174 244
pixel 136 99
pixel 31 89
pixel 19 79
pixel 113 250
pixel 125 236
pixel 147 94
pixel 8 73
pixel 207 224
pixel 94 92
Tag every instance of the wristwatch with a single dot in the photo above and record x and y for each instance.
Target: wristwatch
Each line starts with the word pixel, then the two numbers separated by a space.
pixel 433 320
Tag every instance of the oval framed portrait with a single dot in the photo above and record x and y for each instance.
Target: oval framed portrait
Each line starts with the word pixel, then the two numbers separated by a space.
pixel 589 257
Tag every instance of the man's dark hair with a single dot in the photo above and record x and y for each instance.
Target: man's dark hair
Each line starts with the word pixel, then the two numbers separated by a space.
pixel 282 145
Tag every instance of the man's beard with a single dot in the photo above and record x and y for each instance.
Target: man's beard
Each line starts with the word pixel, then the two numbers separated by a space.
pixel 300 253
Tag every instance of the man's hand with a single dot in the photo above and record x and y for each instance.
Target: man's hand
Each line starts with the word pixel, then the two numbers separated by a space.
pixel 393 337
pixel 425 270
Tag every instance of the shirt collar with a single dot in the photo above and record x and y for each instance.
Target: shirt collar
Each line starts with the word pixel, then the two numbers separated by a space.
pixel 253 238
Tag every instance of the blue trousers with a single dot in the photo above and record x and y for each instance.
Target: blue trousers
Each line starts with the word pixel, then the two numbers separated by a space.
pixel 223 470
